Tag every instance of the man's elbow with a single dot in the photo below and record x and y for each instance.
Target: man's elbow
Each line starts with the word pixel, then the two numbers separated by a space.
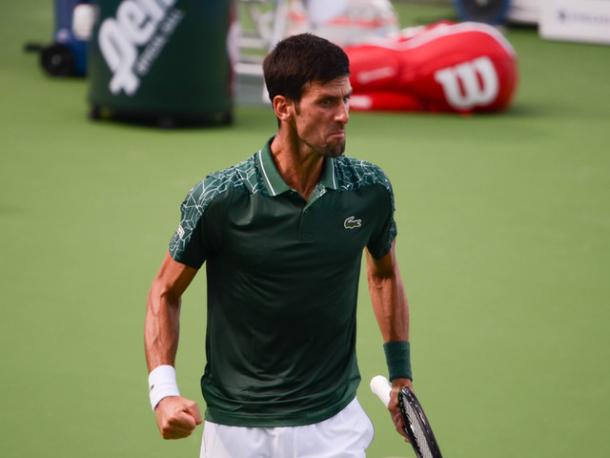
pixel 162 295
pixel 380 280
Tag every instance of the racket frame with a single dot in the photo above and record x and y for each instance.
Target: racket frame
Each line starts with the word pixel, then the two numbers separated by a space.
pixel 407 396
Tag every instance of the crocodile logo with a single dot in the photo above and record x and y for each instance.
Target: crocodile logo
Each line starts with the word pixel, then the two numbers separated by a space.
pixel 352 223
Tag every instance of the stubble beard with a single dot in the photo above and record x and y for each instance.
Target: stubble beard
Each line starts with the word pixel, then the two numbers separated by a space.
pixel 328 150
pixel 333 150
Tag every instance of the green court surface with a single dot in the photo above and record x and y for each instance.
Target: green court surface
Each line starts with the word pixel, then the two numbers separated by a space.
pixel 504 245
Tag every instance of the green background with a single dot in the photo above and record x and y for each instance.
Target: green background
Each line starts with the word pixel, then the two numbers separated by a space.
pixel 504 246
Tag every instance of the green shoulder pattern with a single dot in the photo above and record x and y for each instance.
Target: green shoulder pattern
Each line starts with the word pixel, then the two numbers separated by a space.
pixel 354 174
pixel 204 192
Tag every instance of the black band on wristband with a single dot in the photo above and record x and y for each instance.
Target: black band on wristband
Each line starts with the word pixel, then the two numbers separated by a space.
pixel 398 358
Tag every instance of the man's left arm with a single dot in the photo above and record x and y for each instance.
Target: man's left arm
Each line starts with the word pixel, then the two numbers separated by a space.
pixel 392 312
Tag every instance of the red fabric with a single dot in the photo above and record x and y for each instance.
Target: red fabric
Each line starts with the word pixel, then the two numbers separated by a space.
pixel 463 68
pixel 386 101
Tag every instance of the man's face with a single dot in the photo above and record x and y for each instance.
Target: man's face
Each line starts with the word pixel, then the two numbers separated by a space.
pixel 321 116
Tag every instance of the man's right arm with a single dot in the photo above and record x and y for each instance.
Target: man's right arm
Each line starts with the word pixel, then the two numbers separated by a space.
pixel 176 416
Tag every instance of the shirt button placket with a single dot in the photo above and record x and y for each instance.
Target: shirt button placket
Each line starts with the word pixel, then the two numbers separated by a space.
pixel 305 232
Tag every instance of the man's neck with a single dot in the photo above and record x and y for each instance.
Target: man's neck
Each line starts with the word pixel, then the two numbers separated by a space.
pixel 299 166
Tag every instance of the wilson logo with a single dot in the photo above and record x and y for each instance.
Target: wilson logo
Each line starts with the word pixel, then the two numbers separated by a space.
pixel 352 223
pixel 471 84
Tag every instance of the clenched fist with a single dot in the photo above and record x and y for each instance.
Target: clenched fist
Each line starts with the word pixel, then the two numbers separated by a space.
pixel 177 417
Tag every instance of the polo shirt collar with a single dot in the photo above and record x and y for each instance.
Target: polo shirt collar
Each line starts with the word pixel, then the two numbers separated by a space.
pixel 273 181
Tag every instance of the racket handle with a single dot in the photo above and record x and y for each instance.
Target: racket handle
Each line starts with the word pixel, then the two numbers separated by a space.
pixel 381 387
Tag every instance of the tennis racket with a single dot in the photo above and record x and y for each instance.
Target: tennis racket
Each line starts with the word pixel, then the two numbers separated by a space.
pixel 416 424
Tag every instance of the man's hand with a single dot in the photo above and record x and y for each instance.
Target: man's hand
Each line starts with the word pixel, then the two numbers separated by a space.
pixel 177 417
pixel 397 385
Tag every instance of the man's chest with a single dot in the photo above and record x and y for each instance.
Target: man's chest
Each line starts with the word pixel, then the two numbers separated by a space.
pixel 283 230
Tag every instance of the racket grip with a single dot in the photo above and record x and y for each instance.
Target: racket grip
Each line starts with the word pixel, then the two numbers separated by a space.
pixel 381 387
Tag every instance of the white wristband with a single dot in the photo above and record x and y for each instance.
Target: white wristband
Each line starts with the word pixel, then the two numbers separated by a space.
pixel 161 384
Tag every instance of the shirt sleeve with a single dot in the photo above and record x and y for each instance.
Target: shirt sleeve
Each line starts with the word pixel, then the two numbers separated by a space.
pixel 187 244
pixel 381 239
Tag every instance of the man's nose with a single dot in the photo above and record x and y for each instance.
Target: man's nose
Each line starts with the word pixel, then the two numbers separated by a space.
pixel 342 114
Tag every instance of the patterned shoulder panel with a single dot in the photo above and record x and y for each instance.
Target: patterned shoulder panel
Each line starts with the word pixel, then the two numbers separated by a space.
pixel 354 174
pixel 206 191
pixel 217 183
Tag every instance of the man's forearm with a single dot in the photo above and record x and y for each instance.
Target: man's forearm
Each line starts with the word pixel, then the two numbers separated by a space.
pixel 388 298
pixel 176 416
pixel 161 329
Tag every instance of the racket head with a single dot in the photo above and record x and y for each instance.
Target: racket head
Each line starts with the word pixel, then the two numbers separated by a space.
pixel 416 425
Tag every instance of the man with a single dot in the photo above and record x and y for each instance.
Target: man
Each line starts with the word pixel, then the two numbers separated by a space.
pixel 282 235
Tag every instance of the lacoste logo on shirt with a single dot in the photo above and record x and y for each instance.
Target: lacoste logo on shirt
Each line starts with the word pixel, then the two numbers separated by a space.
pixel 352 223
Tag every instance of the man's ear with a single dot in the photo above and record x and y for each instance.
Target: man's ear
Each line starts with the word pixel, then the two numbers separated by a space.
pixel 283 107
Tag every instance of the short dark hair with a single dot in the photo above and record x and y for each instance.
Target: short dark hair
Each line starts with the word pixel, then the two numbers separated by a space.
pixel 301 59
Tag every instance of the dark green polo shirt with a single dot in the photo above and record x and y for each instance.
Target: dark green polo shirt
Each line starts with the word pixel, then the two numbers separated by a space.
pixel 282 282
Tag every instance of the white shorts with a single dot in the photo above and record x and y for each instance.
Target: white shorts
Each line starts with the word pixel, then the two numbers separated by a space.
pixel 345 435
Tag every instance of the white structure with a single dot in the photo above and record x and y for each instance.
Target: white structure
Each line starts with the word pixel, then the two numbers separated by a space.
pixel 582 20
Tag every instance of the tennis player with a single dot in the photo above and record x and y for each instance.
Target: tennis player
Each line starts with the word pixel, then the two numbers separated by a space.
pixel 282 236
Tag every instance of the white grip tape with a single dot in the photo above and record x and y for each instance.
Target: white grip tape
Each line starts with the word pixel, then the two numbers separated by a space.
pixel 161 384
pixel 381 387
